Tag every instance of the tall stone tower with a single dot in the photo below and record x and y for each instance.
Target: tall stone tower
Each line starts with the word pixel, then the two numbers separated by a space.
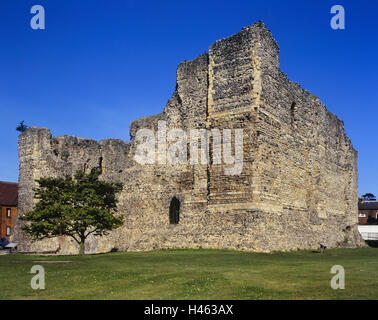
pixel 295 187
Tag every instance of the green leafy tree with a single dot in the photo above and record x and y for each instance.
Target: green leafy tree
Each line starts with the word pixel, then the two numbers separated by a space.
pixel 21 127
pixel 369 196
pixel 75 207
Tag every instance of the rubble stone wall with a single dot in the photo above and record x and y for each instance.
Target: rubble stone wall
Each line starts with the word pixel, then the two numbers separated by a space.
pixel 297 185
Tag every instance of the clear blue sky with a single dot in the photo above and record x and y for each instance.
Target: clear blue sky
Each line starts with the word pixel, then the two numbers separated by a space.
pixel 99 65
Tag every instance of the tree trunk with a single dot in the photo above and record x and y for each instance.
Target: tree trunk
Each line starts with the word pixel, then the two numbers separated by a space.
pixel 82 247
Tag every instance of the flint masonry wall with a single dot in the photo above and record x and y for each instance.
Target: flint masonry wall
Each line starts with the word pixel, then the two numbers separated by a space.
pixel 297 186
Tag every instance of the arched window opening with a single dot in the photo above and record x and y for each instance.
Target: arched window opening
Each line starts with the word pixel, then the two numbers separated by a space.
pixel 174 211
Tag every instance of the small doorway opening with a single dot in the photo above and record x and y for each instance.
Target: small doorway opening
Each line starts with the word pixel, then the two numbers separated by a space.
pixel 174 211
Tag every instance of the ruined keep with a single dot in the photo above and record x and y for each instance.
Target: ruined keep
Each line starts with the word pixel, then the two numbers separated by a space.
pixel 297 187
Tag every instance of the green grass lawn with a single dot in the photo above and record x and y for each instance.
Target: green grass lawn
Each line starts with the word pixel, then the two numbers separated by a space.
pixel 194 274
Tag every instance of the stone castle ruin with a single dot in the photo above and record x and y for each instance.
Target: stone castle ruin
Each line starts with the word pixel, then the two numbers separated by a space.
pixel 298 182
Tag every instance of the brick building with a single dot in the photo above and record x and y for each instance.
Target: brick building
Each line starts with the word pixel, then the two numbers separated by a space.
pixel 8 207
pixel 368 212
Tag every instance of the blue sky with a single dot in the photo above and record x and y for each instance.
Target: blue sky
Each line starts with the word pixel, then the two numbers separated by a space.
pixel 99 65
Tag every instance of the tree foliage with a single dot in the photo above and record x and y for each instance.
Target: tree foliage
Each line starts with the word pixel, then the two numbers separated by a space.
pixel 369 196
pixel 75 207
pixel 21 126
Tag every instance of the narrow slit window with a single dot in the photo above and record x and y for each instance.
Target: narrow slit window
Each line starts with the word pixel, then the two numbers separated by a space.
pixel 293 110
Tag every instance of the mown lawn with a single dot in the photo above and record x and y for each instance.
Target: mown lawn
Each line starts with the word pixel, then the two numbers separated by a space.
pixel 193 274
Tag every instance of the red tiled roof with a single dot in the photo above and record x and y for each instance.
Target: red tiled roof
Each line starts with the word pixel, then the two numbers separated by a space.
pixel 8 193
